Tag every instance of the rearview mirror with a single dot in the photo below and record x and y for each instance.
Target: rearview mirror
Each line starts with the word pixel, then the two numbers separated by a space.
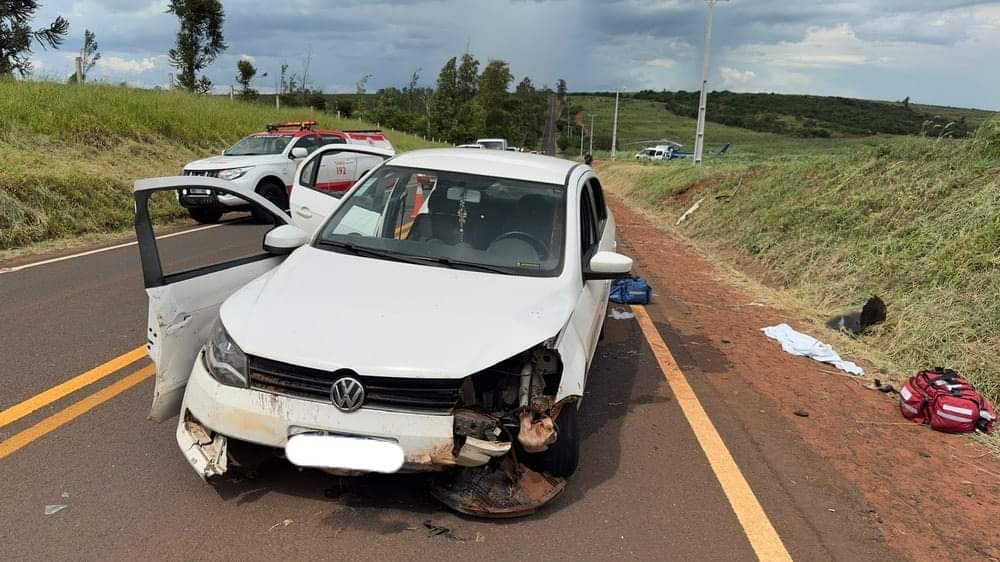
pixel 285 239
pixel 608 265
pixel 299 152
pixel 473 196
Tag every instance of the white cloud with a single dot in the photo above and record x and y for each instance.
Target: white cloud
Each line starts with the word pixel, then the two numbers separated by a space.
pixel 248 58
pixel 821 47
pixel 662 63
pixel 734 77
pixel 127 66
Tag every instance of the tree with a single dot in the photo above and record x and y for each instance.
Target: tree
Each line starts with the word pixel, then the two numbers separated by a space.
pixel 247 71
pixel 199 41
pixel 362 86
pixel 17 35
pixel 89 55
pixel 467 82
pixel 346 107
pixel 445 100
pixel 492 96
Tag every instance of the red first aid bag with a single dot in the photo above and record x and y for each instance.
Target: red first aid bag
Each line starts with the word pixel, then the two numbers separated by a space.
pixel 946 401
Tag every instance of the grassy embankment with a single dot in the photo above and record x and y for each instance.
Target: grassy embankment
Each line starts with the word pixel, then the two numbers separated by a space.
pixel 914 220
pixel 68 155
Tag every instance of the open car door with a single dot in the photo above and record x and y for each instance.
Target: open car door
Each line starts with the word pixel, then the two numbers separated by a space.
pixel 184 306
pixel 326 177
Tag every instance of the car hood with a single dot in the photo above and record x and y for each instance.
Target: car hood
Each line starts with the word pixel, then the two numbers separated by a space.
pixel 224 162
pixel 326 310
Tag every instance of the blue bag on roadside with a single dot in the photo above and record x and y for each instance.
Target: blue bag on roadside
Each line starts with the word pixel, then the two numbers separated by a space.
pixel 631 290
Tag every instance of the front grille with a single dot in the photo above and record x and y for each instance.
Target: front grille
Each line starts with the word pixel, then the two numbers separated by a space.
pixel 424 395
pixel 202 173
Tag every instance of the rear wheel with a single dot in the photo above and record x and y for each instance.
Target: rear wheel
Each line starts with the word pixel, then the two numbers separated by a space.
pixel 206 215
pixel 273 192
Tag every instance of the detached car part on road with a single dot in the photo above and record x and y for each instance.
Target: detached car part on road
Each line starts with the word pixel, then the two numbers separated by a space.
pixel 442 317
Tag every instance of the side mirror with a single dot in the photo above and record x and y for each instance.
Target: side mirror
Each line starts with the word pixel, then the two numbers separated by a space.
pixel 285 239
pixel 607 265
pixel 299 152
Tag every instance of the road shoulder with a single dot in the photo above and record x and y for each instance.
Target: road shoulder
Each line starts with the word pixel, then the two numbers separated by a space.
pixel 859 474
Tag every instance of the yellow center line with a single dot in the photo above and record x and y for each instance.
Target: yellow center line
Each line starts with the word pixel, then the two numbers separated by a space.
pixel 763 538
pixel 18 411
pixel 73 411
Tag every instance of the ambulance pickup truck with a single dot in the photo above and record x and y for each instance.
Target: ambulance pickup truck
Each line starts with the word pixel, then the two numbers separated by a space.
pixel 266 163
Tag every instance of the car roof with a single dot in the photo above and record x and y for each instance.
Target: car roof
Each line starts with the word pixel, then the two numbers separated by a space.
pixel 297 133
pixel 514 165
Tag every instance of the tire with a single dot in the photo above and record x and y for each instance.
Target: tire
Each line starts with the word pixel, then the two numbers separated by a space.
pixel 562 457
pixel 206 215
pixel 274 193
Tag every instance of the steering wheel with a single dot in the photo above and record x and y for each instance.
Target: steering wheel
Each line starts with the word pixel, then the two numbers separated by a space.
pixel 535 243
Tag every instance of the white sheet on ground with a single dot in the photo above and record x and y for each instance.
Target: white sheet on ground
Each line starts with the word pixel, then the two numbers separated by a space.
pixel 798 343
pixel 616 314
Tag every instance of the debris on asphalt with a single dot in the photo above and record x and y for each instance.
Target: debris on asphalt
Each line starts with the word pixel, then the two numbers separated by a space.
pixel 282 524
pixel 441 531
pixel 689 212
pixel 616 314
pixel 53 509
pixel 631 290
pixel 65 495
pixel 503 488
pixel 803 345
pixel 874 312
pixel 802 413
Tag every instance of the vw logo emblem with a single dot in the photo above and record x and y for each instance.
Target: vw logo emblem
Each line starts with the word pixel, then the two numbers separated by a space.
pixel 347 394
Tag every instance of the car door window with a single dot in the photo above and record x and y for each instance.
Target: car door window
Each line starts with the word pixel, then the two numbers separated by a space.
pixel 330 173
pixel 169 254
pixel 310 143
pixel 332 139
pixel 588 226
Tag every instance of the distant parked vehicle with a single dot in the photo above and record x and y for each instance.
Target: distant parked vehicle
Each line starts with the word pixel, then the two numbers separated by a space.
pixel 266 163
pixel 493 144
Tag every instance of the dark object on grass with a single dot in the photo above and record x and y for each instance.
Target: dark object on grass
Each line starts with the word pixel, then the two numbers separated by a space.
pixel 588 159
pixel 802 413
pixel 882 387
pixel 874 312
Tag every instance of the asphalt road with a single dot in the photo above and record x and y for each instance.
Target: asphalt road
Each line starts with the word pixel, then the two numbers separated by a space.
pixel 645 488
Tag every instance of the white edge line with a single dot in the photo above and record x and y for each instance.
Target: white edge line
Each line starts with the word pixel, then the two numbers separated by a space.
pixel 101 250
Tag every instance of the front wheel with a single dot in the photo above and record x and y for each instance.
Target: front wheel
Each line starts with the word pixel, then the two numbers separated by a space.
pixel 275 194
pixel 206 216
pixel 562 457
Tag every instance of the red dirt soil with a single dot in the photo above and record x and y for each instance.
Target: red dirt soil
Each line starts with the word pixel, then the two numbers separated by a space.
pixel 934 496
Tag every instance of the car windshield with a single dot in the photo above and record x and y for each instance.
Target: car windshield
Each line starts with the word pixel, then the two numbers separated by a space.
pixel 259 144
pixel 450 219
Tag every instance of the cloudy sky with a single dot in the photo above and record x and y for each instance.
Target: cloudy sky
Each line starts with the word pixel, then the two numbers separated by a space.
pixel 935 51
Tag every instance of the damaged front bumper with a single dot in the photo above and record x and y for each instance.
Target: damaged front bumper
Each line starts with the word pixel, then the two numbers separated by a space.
pixel 213 412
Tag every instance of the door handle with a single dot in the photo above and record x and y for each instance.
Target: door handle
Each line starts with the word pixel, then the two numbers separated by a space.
pixel 304 212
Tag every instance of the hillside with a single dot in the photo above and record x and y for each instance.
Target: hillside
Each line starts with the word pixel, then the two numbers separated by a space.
pixel 912 220
pixel 812 116
pixel 641 121
pixel 69 154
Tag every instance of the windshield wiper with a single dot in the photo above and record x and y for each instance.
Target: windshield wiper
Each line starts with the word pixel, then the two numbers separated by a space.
pixel 467 265
pixel 371 252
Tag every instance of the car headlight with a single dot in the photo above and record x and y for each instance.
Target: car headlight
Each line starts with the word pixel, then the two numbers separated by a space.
pixel 224 360
pixel 233 173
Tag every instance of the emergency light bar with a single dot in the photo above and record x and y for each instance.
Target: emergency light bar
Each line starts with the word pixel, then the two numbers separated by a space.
pixel 300 125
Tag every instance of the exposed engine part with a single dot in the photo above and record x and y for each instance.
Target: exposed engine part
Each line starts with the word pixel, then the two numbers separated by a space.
pixel 502 488
pixel 474 424
pixel 536 435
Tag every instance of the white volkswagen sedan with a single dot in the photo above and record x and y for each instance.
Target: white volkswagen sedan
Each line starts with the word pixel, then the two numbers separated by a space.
pixel 443 316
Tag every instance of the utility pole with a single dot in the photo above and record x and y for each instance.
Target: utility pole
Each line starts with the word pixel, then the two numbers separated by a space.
pixel 79 70
pixel 583 135
pixel 614 134
pixel 699 140
pixel 592 134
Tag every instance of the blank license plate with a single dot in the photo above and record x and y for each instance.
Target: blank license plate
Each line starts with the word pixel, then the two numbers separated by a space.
pixel 347 453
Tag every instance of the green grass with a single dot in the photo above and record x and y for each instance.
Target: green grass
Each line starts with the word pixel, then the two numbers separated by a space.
pixel 69 154
pixel 641 121
pixel 914 220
